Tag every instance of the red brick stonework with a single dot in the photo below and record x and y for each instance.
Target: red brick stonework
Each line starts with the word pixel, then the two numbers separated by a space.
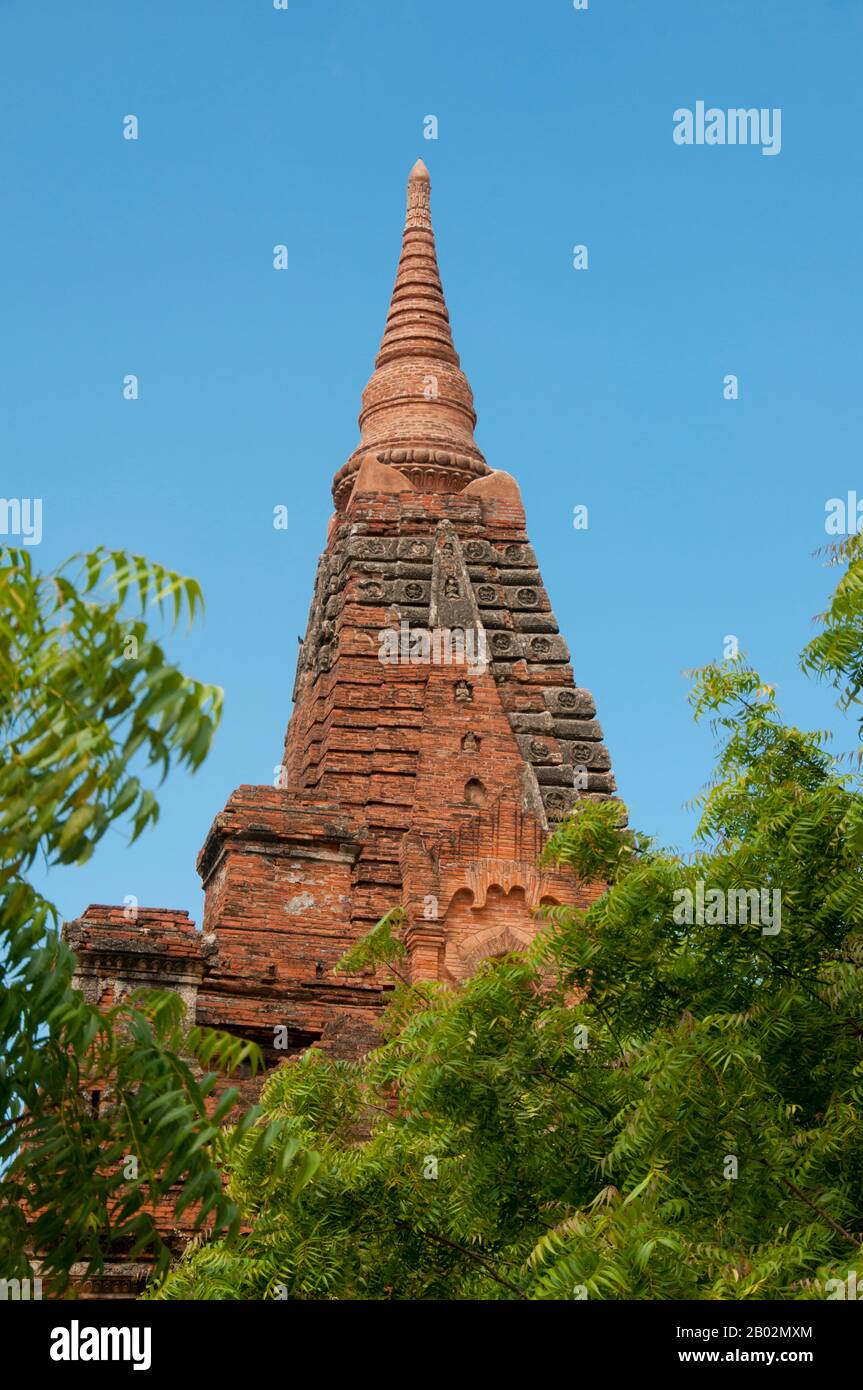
pixel 429 783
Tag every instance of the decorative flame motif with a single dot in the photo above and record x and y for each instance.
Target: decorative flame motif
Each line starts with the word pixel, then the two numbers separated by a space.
pixel 419 198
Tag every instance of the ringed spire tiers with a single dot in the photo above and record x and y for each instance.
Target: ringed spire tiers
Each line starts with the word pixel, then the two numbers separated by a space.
pixel 417 410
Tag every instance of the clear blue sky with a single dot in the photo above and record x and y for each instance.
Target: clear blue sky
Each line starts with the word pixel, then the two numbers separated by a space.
pixel 602 387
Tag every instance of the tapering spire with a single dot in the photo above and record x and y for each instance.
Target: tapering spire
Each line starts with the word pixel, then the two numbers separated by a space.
pixel 417 411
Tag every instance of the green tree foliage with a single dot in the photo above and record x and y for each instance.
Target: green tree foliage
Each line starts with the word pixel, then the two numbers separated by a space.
pixel 88 1099
pixel 636 1107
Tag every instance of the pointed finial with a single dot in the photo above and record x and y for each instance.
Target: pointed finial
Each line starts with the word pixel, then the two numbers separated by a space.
pixel 419 197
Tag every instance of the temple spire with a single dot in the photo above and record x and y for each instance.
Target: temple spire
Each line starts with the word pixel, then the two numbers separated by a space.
pixel 417 409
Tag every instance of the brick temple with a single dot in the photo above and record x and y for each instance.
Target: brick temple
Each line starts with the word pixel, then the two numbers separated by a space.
pixel 410 776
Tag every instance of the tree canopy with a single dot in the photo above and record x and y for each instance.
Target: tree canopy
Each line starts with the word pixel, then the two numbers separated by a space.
pixel 87 695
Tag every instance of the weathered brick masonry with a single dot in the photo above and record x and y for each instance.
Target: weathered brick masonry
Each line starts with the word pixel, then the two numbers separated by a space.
pixel 427 783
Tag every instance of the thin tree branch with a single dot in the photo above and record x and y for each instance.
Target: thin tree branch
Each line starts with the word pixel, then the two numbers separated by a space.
pixel 471 1254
